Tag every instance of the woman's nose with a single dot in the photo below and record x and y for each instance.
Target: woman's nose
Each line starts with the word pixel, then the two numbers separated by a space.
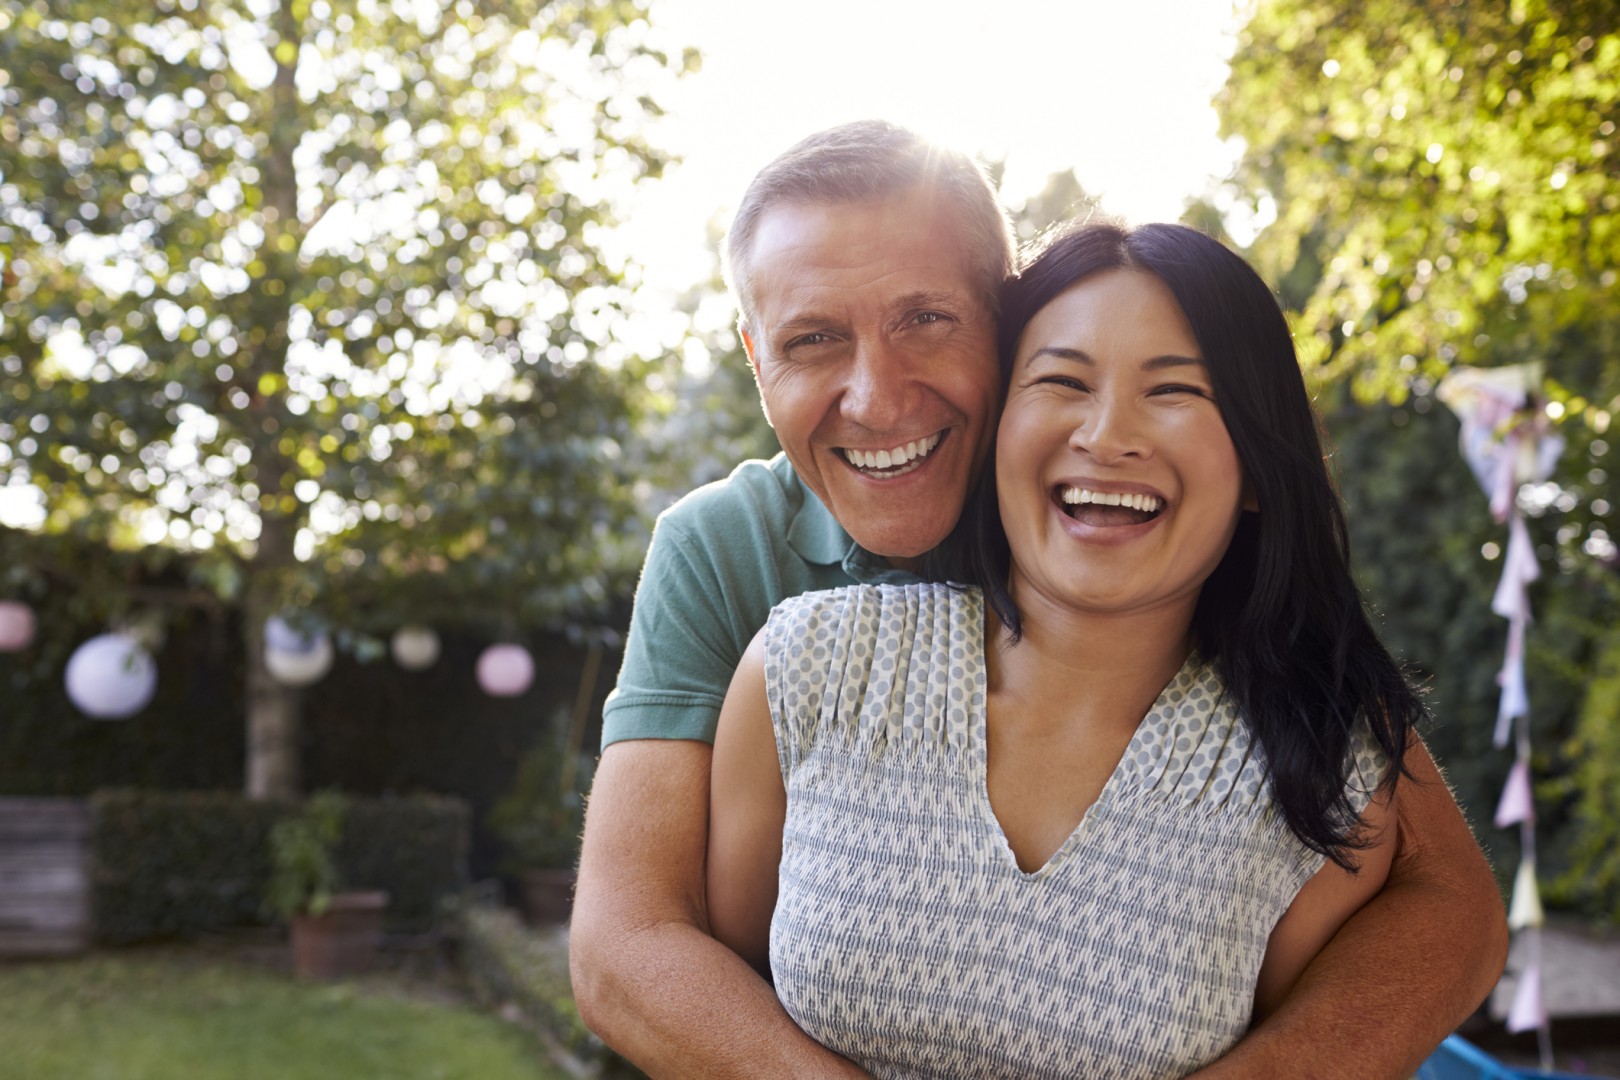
pixel 1110 431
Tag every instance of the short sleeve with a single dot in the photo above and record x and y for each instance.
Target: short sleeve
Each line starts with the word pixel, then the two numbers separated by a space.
pixel 682 648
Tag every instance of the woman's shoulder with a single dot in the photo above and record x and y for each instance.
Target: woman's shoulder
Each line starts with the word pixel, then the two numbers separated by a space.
pixel 873 603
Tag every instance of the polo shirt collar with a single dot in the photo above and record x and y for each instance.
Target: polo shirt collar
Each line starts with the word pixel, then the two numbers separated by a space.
pixel 818 538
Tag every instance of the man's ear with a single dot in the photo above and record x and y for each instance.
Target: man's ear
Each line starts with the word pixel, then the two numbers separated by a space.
pixel 748 346
pixel 753 362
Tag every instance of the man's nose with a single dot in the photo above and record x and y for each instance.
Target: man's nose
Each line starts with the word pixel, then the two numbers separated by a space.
pixel 878 392
pixel 1110 431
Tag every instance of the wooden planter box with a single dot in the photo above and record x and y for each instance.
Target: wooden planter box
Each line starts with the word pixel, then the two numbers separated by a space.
pixel 342 940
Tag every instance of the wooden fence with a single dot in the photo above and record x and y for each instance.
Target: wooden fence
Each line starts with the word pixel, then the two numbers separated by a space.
pixel 44 880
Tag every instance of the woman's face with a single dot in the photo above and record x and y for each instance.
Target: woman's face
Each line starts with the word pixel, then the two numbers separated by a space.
pixel 1119 485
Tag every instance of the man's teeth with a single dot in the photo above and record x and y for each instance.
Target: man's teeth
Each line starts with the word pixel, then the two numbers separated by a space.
pixel 899 457
pixel 1075 496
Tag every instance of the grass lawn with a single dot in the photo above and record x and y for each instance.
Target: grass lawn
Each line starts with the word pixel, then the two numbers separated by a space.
pixel 157 1014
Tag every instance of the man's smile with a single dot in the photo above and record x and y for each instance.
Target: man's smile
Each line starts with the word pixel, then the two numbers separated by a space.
pixel 884 464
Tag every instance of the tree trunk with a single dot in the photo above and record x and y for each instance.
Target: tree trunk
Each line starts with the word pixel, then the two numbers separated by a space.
pixel 272 714
pixel 273 709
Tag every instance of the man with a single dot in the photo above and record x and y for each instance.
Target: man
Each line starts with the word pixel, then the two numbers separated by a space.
pixel 866 266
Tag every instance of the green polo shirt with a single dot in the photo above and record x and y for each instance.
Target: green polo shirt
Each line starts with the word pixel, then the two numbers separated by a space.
pixel 720 559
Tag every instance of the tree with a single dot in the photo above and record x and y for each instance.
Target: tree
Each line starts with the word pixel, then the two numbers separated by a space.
pixel 315 289
pixel 1446 191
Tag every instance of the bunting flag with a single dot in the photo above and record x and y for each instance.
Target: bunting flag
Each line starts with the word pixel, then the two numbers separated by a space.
pixel 1525 910
pixel 1508 441
pixel 1528 1012
pixel 1516 804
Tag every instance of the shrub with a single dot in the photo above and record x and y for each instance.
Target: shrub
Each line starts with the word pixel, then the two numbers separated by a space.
pixel 174 864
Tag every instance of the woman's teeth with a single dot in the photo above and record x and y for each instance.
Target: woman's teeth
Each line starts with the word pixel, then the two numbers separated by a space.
pixel 1078 496
pixel 901 459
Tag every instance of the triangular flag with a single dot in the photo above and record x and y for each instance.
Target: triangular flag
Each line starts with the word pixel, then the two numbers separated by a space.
pixel 1519 568
pixel 1516 804
pixel 1525 911
pixel 1528 1012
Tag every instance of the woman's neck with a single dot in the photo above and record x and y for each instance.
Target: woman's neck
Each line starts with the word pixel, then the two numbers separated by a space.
pixel 1080 667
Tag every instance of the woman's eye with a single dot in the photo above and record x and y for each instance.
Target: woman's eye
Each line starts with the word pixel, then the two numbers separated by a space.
pixel 1064 381
pixel 1178 388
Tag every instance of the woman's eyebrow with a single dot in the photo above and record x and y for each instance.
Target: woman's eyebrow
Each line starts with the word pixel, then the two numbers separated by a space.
pixel 1080 356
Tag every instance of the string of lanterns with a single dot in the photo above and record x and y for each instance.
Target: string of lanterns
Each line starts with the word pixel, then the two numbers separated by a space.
pixel 1508 442
pixel 113 676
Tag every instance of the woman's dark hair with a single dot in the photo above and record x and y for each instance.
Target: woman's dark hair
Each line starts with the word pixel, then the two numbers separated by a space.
pixel 1280 617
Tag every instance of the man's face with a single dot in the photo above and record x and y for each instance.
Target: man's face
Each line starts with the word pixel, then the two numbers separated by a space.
pixel 876 359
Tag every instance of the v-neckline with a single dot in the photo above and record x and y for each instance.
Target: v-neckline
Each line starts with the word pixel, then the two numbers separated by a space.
pixel 981 764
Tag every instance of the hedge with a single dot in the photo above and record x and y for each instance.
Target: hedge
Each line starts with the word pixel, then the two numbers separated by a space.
pixel 175 864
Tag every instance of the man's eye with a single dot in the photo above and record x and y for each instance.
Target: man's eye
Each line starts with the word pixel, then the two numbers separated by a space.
pixel 817 338
pixel 932 317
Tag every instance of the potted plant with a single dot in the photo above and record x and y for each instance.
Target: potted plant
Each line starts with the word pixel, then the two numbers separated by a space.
pixel 335 932
pixel 539 822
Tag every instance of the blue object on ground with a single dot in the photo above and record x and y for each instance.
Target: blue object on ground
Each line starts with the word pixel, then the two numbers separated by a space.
pixel 1459 1059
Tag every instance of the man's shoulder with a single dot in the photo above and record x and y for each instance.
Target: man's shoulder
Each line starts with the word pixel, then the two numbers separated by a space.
pixel 756 495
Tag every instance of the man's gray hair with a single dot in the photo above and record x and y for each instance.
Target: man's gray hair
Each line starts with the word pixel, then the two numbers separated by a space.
pixel 865 161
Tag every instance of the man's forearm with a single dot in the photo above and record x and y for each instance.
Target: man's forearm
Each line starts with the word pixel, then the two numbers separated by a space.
pixel 677 1003
pixel 1403 972
pixel 647 976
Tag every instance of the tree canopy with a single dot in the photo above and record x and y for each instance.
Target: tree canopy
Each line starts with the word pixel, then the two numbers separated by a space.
pixel 316 288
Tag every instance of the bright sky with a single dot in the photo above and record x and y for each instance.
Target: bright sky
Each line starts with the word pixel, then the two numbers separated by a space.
pixel 1118 91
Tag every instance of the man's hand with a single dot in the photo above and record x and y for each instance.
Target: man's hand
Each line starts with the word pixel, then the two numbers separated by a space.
pixel 647 976
pixel 1404 971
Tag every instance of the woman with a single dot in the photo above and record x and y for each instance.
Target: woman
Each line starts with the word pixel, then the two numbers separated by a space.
pixel 1091 817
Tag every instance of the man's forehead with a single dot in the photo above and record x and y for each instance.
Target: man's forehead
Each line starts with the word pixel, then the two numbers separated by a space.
pixel 867 251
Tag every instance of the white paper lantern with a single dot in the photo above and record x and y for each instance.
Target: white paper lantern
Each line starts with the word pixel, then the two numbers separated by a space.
pixel 415 648
pixel 505 670
pixel 111 677
pixel 16 626
pixel 295 657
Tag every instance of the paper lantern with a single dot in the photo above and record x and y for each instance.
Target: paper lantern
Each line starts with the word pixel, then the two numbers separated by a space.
pixel 505 670
pixel 415 648
pixel 295 657
pixel 111 677
pixel 16 626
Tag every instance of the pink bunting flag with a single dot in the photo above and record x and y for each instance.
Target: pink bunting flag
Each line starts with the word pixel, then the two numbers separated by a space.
pixel 1528 1012
pixel 1515 700
pixel 1519 569
pixel 1516 804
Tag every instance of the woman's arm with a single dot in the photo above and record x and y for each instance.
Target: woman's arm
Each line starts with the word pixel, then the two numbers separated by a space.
pixel 1326 902
pixel 747 808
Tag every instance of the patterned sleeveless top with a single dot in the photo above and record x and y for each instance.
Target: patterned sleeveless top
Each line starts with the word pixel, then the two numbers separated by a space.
pixel 905 935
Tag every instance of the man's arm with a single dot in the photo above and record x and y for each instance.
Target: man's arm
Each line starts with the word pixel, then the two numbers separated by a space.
pixel 647 976
pixel 1404 971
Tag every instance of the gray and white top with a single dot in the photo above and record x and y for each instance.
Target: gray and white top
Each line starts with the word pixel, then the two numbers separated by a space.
pixel 906 937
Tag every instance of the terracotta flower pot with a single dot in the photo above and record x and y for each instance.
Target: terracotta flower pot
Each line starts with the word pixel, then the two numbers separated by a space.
pixel 548 896
pixel 343 939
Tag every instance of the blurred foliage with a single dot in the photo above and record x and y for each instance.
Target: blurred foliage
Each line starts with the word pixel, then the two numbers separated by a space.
pixel 171 864
pixel 303 857
pixel 316 291
pixel 1445 191
pixel 540 818
pixel 326 276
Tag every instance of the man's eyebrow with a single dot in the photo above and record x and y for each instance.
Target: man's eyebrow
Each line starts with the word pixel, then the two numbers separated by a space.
pixel 925 298
pixel 1080 356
